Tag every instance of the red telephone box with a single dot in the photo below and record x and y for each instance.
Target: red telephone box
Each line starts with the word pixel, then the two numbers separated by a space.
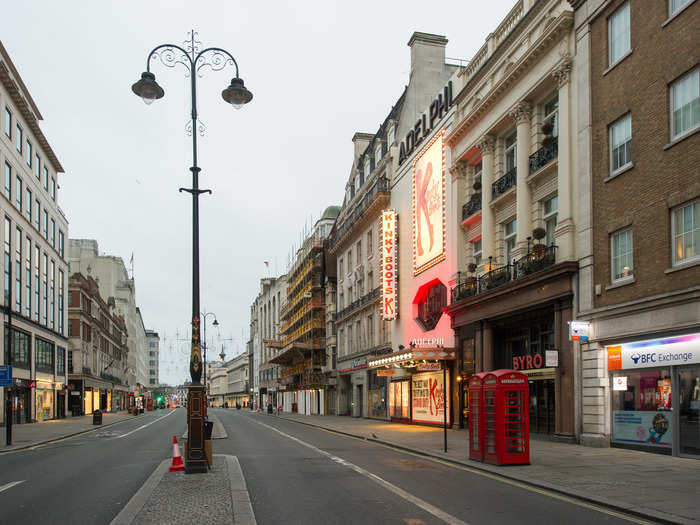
pixel 476 411
pixel 507 431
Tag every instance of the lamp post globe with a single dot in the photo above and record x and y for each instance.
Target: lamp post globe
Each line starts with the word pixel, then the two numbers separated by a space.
pixel 237 94
pixel 147 88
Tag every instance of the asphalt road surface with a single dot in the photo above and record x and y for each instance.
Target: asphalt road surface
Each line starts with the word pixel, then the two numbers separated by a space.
pixel 303 475
pixel 88 478
pixel 295 475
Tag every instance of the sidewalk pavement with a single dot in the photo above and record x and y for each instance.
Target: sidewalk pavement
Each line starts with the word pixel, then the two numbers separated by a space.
pixel 175 498
pixel 654 486
pixel 29 435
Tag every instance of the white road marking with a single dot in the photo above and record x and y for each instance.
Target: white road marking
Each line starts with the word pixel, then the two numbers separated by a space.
pixel 10 485
pixel 440 514
pixel 144 426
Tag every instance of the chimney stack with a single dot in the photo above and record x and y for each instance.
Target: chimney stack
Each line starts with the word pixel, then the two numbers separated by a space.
pixel 427 52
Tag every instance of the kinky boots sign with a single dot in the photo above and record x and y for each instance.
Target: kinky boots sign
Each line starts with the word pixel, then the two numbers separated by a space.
pixel 425 124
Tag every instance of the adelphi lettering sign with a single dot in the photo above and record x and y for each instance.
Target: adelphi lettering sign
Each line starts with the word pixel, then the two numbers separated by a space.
pixel 425 124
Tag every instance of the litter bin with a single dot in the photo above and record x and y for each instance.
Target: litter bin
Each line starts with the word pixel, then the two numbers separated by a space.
pixel 97 417
pixel 208 427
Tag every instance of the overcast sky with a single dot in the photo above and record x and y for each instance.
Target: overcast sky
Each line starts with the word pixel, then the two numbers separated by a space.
pixel 319 71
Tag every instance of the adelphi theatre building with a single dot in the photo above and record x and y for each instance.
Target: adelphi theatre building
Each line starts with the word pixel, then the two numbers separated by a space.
pixel 417 235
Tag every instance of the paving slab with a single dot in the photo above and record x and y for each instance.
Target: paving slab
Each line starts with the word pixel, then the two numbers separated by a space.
pixel 658 487
pixel 175 498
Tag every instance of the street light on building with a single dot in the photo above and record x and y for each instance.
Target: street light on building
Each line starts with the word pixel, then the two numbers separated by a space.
pixel 237 95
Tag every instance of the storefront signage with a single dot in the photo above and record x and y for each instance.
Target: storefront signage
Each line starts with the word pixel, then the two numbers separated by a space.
pixel 5 375
pixel 620 383
pixel 578 330
pixel 428 397
pixel 428 190
pixel 355 364
pixel 645 427
pixel 388 265
pixel 425 124
pixel 428 341
pixel 386 372
pixel 425 367
pixel 679 350
pixel 526 362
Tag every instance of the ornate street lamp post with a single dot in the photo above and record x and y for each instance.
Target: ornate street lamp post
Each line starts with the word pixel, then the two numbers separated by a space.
pixel 204 346
pixel 193 60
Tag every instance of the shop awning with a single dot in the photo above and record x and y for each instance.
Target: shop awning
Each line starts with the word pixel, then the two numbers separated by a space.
pixel 413 356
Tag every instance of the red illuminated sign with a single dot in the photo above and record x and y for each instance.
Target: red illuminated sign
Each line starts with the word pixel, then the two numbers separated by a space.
pixel 388 265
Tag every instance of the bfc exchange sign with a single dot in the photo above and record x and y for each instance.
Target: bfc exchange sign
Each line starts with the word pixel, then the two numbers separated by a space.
pixel 679 350
pixel 388 265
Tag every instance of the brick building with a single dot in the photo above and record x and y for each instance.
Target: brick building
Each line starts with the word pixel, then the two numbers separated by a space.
pixel 97 354
pixel 639 111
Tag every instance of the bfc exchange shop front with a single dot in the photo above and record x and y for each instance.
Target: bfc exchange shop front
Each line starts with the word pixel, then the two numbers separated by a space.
pixel 656 394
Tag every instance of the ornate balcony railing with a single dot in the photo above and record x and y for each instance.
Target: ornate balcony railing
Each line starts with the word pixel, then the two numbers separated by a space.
pixel 503 184
pixel 539 258
pixel 471 207
pixel 357 304
pixel 543 156
pixel 381 185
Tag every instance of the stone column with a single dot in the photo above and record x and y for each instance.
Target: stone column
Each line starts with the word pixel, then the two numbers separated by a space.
pixel 488 352
pixel 522 114
pixel 458 198
pixel 488 218
pixel 564 232
pixel 564 384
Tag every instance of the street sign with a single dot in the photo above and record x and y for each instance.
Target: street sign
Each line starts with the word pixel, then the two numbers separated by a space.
pixel 5 375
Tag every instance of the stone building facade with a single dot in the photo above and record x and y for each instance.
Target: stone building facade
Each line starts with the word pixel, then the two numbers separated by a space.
pixel 34 235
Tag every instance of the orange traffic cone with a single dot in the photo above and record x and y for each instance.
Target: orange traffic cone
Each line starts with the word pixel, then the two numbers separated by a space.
pixel 177 458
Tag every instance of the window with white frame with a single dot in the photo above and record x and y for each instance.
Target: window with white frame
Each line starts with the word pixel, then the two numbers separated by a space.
pixel 550 114
pixel 378 154
pixel 510 151
pixel 509 230
pixel 391 136
pixel 619 34
pixel 620 144
pixel 622 263
pixel 476 251
pixel 8 122
pixel 685 104
pixel 685 230
pixel 549 218
pixel 676 5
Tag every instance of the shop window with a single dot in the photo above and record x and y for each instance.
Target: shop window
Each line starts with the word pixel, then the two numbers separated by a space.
pixel 428 303
pixel 399 406
pixel 20 346
pixel 642 407
pixel 44 355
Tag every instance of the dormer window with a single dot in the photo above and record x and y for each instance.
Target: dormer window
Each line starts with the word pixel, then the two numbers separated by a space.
pixel 368 168
pixel 357 183
pixel 378 154
pixel 390 136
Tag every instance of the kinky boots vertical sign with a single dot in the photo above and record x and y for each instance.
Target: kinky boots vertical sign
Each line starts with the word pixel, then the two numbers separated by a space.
pixel 387 261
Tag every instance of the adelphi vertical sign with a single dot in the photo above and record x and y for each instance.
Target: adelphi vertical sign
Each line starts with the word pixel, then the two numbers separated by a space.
pixel 388 265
